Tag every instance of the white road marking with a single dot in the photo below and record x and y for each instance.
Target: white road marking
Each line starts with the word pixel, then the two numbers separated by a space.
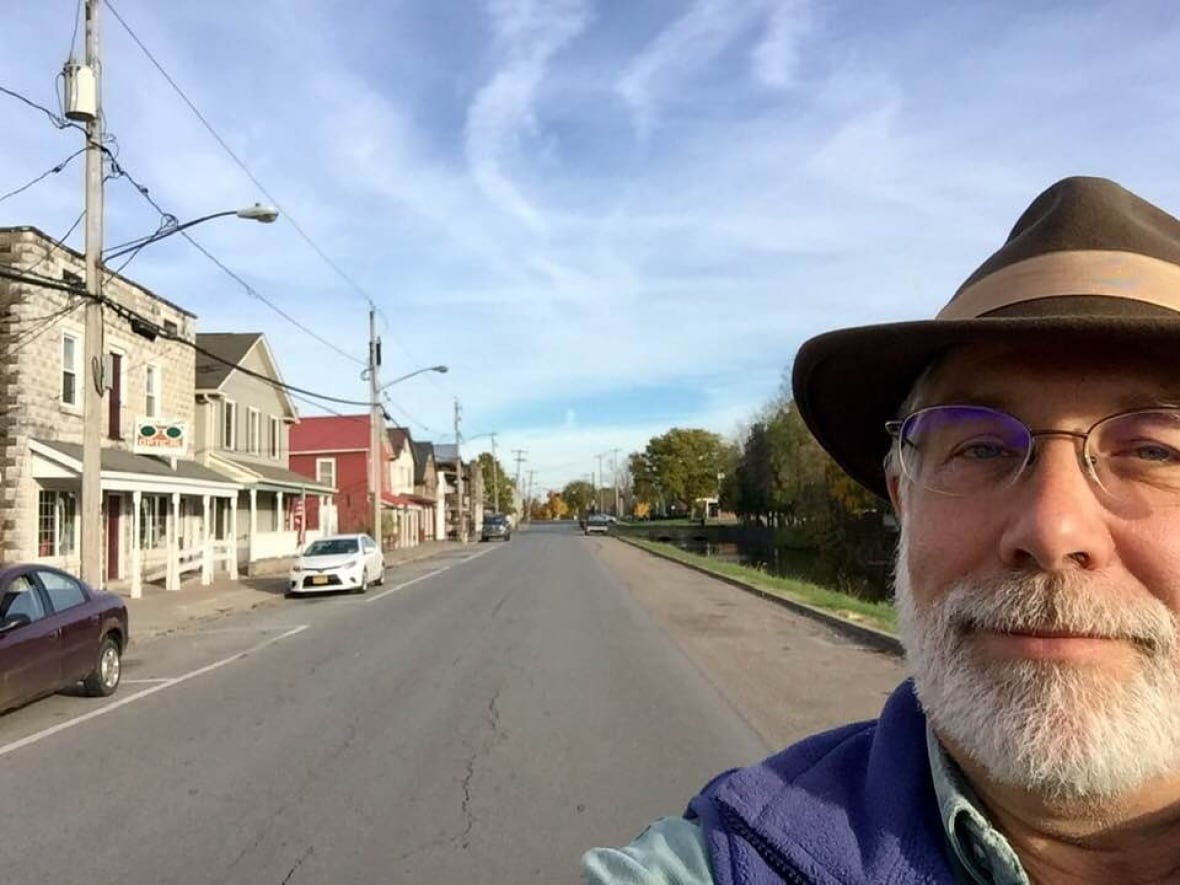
pixel 437 571
pixel 143 681
pixel 122 702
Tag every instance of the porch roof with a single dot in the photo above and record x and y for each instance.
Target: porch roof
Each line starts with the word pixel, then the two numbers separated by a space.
pixel 271 477
pixel 121 468
pixel 392 500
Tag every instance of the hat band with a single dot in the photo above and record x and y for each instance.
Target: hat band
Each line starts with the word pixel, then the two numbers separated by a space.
pixel 1128 275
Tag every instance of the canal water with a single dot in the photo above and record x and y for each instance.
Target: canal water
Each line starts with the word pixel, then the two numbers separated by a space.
pixel 871 580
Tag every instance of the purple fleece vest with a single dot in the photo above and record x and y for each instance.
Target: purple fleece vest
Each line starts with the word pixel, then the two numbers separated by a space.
pixel 849 806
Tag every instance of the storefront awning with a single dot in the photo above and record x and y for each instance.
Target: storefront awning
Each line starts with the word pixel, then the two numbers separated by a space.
pixel 269 477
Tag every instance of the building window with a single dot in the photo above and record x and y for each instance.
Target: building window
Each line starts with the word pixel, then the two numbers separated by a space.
pixel 69 369
pixel 325 472
pixel 153 521
pixel 56 523
pixel 229 429
pixel 253 432
pixel 151 392
pixel 275 439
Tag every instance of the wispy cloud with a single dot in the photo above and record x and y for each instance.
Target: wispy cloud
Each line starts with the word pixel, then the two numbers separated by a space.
pixel 801 168
pixel 776 59
pixel 692 41
pixel 528 34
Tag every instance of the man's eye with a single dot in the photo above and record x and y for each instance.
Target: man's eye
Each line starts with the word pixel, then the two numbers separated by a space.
pixel 981 450
pixel 1152 451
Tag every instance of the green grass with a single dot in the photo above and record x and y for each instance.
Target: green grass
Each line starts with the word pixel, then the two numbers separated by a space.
pixel 873 614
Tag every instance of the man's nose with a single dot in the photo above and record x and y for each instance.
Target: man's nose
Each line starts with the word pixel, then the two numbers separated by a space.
pixel 1057 521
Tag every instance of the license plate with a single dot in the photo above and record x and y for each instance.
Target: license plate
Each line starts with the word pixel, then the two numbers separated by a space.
pixel 320 579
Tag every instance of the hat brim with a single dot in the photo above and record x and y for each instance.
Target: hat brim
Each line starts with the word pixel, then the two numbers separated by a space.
pixel 848 383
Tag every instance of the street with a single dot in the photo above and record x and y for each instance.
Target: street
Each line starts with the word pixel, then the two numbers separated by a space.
pixel 485 717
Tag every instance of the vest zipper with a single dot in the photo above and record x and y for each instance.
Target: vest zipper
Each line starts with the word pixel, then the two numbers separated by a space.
pixel 771 855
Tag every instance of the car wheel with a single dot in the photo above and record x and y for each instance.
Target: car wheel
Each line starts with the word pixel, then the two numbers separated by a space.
pixel 108 670
pixel 381 580
pixel 364 587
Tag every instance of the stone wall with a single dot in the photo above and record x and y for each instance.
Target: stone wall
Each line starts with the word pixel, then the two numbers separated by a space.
pixel 33 322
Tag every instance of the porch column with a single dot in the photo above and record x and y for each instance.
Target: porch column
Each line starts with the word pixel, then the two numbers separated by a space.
pixel 233 537
pixel 325 523
pixel 136 552
pixel 302 516
pixel 253 531
pixel 171 567
pixel 280 514
pixel 206 543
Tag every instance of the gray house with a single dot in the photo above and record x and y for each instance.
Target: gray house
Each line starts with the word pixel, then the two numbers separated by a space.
pixel 242 420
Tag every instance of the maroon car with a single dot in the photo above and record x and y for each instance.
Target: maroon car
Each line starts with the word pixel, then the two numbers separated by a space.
pixel 55 631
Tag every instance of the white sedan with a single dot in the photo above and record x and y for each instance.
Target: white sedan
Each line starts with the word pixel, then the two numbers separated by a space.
pixel 338 562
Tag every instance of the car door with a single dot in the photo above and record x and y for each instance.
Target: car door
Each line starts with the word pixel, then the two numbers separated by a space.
pixel 30 662
pixel 75 619
pixel 374 561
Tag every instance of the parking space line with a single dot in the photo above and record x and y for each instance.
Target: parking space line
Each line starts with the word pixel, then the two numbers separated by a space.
pixel 144 681
pixel 122 702
pixel 437 571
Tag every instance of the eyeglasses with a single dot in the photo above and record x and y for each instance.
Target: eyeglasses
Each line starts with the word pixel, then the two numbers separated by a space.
pixel 1134 457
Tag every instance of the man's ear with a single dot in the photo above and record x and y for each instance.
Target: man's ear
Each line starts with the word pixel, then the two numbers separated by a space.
pixel 893 484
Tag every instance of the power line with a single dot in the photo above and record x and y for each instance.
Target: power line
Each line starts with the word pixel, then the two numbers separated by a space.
pixel 412 419
pixel 149 325
pixel 57 120
pixel 167 217
pixel 51 171
pixel 241 165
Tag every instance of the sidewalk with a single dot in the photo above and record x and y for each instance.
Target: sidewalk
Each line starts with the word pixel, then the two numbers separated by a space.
pixel 159 612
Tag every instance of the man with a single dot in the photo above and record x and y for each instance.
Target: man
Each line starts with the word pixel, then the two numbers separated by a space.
pixel 1029 440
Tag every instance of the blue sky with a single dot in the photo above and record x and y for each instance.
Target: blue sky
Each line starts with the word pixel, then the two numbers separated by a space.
pixel 608 218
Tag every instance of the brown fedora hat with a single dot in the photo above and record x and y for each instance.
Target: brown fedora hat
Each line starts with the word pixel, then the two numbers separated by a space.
pixel 1087 261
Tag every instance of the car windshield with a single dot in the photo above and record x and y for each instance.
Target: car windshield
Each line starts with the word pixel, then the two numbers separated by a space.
pixel 331 547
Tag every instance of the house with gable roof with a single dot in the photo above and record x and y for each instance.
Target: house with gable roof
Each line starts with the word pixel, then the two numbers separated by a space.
pixel 413 519
pixel 243 421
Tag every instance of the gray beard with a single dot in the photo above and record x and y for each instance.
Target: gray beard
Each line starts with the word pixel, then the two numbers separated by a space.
pixel 1065 731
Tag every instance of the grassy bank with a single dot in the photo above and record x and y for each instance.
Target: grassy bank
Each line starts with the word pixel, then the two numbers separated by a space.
pixel 874 614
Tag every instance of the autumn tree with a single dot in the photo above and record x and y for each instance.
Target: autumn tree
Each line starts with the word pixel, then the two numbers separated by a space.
pixel 502 487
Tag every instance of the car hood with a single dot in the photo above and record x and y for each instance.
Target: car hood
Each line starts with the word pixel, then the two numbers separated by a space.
pixel 334 560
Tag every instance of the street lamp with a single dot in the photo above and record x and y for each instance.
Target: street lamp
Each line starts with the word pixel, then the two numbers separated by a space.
pixel 257 212
pixel 442 370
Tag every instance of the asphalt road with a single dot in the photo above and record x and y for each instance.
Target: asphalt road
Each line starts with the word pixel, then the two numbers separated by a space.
pixel 486 717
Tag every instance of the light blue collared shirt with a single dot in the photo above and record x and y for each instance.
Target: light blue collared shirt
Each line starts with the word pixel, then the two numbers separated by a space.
pixel 980 854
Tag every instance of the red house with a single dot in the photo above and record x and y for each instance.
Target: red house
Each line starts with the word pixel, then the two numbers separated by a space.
pixel 337 447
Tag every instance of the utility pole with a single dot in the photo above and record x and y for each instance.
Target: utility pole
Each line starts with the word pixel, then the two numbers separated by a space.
pixel 461 522
pixel 519 453
pixel 376 425
pixel 92 373
pixel 598 482
pixel 495 477
pixel 529 507
pixel 615 478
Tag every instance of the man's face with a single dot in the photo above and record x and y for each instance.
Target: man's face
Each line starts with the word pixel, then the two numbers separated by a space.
pixel 1040 620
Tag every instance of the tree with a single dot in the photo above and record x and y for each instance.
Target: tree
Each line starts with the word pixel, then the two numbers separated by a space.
pixel 578 496
pixel 502 486
pixel 681 466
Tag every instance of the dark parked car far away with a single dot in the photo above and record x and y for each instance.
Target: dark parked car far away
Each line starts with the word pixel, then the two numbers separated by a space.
pixel 56 631
pixel 495 525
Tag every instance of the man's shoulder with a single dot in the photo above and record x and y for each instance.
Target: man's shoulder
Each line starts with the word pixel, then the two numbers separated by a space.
pixel 672 849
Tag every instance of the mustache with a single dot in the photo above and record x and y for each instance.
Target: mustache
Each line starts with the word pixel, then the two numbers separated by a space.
pixel 1057 603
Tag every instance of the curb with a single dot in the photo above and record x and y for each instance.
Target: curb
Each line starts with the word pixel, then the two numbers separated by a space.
pixel 264 600
pixel 870 636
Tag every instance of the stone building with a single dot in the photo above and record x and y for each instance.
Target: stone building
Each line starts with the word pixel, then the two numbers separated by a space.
pixel 157 508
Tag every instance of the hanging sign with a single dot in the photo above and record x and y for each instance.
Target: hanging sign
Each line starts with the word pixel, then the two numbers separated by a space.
pixel 154 436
